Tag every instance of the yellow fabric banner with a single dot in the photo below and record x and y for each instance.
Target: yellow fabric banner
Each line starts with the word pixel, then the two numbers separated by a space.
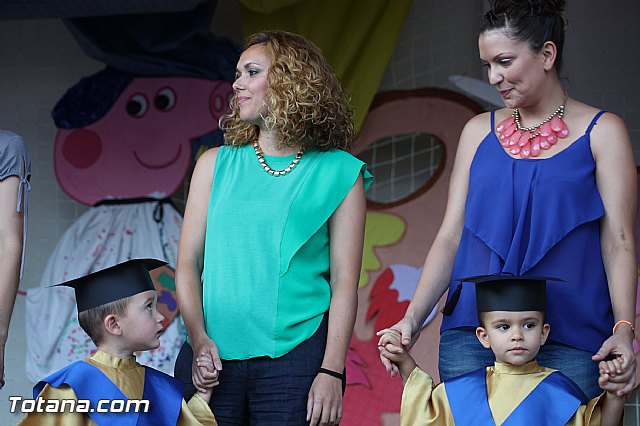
pixel 356 36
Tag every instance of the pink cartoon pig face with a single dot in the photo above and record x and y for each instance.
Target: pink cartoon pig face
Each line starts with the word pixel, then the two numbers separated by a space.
pixel 142 146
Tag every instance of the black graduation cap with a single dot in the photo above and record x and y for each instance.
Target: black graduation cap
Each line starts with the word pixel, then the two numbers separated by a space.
pixel 114 283
pixel 505 292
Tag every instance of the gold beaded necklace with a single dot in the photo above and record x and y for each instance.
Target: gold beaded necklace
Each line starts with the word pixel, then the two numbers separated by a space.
pixel 535 130
pixel 272 172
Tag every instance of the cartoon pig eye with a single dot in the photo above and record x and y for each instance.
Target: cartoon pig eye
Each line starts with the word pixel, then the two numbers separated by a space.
pixel 137 106
pixel 165 99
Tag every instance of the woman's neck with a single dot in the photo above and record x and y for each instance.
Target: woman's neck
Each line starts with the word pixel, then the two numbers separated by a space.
pixel 550 98
pixel 269 144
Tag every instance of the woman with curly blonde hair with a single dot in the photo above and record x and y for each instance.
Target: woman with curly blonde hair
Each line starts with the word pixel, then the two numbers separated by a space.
pixel 305 103
pixel 271 245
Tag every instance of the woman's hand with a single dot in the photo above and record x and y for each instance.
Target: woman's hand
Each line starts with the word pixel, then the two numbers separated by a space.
pixel 409 332
pixel 206 367
pixel 203 378
pixel 620 345
pixel 324 404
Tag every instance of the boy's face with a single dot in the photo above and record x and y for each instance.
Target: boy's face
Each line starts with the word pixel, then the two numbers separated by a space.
pixel 514 337
pixel 142 323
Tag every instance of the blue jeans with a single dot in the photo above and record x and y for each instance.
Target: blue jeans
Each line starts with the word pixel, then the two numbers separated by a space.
pixel 262 391
pixel 460 352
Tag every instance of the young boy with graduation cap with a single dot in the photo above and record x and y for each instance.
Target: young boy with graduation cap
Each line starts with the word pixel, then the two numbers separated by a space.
pixel 515 390
pixel 117 309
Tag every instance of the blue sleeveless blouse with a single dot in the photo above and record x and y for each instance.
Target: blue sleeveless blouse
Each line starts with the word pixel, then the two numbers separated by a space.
pixel 537 217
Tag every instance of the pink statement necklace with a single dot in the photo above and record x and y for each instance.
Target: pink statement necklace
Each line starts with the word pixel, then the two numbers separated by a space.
pixel 528 141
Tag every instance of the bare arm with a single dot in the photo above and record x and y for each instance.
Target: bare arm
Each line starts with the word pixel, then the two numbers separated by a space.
pixel 190 263
pixel 346 236
pixel 11 233
pixel 616 178
pixel 438 265
pixel 612 409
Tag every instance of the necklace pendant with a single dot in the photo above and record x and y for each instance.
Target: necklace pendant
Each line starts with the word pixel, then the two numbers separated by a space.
pixel 535 147
pixel 544 144
pixel 515 139
pixel 505 124
pixel 560 127
pixel 546 130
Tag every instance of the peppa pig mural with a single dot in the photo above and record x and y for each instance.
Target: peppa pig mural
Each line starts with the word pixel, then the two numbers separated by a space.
pixel 124 145
pixel 143 143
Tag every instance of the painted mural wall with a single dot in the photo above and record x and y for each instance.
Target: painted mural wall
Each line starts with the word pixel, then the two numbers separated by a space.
pixel 40 61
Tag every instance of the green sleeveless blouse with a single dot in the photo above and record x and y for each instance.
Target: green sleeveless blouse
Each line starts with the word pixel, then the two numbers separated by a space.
pixel 266 259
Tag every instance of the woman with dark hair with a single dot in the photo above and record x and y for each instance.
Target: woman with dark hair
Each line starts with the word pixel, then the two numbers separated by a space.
pixel 271 245
pixel 543 187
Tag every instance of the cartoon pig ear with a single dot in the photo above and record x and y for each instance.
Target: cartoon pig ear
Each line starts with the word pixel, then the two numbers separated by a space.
pixel 219 99
pixel 90 98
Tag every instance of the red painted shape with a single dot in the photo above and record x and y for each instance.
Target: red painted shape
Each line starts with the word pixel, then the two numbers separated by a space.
pixel 82 148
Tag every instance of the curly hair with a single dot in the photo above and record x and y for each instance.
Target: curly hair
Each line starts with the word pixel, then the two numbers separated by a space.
pixel 534 22
pixel 305 104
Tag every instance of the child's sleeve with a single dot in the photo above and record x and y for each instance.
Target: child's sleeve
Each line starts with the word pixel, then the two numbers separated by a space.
pixel 423 403
pixel 590 414
pixel 196 412
pixel 50 393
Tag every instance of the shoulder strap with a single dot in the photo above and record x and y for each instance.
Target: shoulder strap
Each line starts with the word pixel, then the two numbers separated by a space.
pixel 555 390
pixel 467 395
pixel 493 120
pixel 164 394
pixel 89 383
pixel 594 121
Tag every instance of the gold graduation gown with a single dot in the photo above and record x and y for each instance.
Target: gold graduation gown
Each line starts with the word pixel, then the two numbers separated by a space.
pixel 507 386
pixel 127 375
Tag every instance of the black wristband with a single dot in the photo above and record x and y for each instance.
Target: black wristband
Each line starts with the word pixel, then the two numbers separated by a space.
pixel 331 373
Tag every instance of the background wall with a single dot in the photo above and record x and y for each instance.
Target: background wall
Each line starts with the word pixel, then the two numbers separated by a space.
pixel 39 60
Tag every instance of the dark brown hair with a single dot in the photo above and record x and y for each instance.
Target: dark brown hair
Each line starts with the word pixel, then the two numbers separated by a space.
pixel 531 21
